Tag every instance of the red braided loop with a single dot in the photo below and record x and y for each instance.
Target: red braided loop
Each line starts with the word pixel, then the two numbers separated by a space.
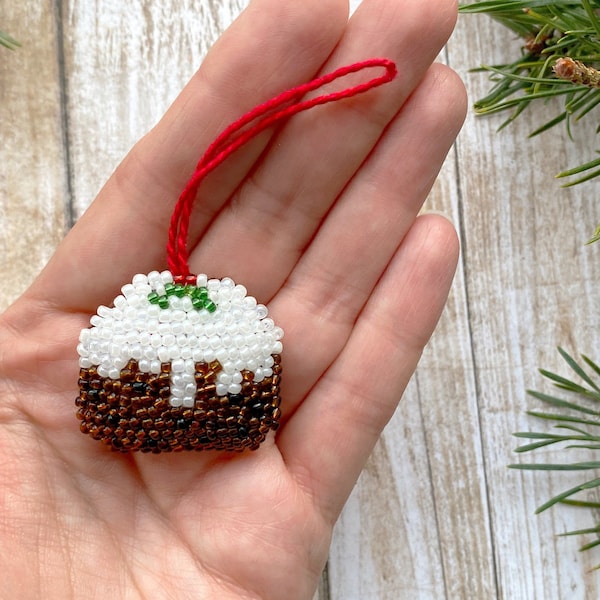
pixel 237 134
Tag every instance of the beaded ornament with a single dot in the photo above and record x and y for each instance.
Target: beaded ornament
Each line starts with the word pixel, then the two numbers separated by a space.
pixel 181 361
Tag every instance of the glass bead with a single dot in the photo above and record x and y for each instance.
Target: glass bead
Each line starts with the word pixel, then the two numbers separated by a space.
pixel 169 340
pixel 228 366
pixel 163 354
pixel 239 292
pixel 104 311
pixel 235 388
pixel 224 378
pixel 267 325
pixel 186 304
pixel 114 373
pixel 164 328
pixel 249 302
pixel 178 366
pixel 166 277
pixel 139 279
pixel 150 353
pixel 137 352
pixel 165 316
pixel 96 321
pixel 155 367
pixel 221 354
pixel 106 333
pixel 143 290
pixel 154 277
pixel 261 311
pixel 175 303
pixel 178 315
pixel 128 290
pixel 144 338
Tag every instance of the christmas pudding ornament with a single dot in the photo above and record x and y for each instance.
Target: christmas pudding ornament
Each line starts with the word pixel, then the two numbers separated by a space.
pixel 187 362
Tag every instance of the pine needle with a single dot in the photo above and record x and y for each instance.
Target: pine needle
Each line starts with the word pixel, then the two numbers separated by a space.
pixel 576 421
pixel 558 56
pixel 8 42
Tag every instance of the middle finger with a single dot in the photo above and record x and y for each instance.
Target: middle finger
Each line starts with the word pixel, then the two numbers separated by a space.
pixel 276 212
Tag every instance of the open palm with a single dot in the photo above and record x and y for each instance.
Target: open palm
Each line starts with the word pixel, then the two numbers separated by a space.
pixel 319 219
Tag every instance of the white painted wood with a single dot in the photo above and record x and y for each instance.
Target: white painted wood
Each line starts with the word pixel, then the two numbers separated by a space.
pixel 32 176
pixel 436 514
pixel 125 64
pixel 529 287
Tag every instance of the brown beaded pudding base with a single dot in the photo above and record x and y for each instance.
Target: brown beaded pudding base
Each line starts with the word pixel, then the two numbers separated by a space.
pixel 133 412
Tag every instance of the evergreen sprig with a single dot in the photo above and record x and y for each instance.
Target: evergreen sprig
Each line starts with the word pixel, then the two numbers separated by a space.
pixel 577 424
pixel 550 30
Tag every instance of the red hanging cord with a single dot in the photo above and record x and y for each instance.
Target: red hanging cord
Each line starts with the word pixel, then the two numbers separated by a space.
pixel 235 136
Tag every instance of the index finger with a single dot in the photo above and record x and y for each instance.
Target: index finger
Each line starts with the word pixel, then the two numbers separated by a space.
pixel 272 46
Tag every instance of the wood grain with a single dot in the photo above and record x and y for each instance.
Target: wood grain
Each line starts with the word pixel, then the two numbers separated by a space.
pixel 527 279
pixel 33 191
pixel 436 513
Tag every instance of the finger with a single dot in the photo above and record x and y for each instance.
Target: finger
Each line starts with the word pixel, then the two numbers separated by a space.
pixel 279 207
pixel 331 283
pixel 272 46
pixel 331 435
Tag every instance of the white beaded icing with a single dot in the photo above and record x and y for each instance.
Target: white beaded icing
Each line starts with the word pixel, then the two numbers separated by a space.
pixel 238 334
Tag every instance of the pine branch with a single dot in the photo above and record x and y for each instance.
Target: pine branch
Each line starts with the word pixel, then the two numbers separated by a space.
pixel 559 57
pixel 577 421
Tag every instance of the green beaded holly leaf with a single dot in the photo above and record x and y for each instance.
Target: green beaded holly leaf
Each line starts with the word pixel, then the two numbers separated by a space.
pixel 198 295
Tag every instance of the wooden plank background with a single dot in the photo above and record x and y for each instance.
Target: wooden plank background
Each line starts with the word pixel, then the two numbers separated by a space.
pixel 436 513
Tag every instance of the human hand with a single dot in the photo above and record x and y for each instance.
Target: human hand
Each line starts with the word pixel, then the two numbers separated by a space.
pixel 317 219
